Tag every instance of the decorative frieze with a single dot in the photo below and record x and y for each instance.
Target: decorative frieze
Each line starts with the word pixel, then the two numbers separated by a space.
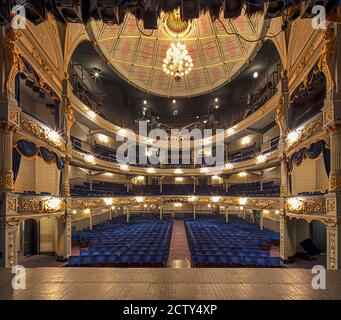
pixel 334 182
pixel 305 132
pixel 6 181
pixel 41 206
pixel 308 205
pixel 40 132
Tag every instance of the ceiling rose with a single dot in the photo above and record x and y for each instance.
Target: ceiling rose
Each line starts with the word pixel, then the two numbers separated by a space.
pixel 217 56
pixel 174 26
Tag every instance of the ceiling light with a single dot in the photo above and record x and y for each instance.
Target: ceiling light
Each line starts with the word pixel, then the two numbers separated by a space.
pixel 293 136
pixel 178 171
pixel 245 140
pixel 261 159
pixel 179 179
pixel 255 75
pixel 53 136
pixel 217 107
pixel 177 62
pixel 96 73
pixel 174 101
pixel 144 102
pixel 151 170
pixel 229 166
pixel 124 167
pixel 242 174
pixel 216 100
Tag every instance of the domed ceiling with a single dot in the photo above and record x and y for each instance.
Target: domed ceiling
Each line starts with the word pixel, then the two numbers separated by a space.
pixel 217 56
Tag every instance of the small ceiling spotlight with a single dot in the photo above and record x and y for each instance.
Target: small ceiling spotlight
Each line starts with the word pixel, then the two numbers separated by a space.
pixel 255 75
pixel 174 101
pixel 96 73
pixel 144 102
pixel 217 107
pixel 216 100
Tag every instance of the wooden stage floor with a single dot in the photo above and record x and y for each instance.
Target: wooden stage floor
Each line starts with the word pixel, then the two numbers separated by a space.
pixel 167 284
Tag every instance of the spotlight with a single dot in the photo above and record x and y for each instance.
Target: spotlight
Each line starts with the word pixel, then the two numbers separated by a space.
pixel 96 73
pixel 275 8
pixel 144 102
pixel 216 100
pixel 108 11
pixel 149 19
pixel 232 9
pixel 35 11
pixel 174 101
pixel 255 75
pixel 190 9
pixel 254 6
pixel 70 10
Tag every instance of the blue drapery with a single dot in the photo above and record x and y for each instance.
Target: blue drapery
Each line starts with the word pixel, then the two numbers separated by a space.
pixel 312 152
pixel 16 159
pixel 29 149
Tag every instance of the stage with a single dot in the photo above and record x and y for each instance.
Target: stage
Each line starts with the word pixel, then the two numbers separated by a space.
pixel 57 283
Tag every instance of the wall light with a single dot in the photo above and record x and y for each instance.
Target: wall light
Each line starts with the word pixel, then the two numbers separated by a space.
pixel 230 131
pixel 174 101
pixel 89 158
pixel 151 170
pixel 293 136
pixel 103 138
pixel 192 198
pixel 215 199
pixel 245 140
pixel 179 179
pixel 204 170
pixel 91 114
pixel 265 211
pixel 261 158
pixel 87 211
pixel 140 178
pixel 216 100
pixel 294 203
pixel 242 174
pixel 124 167
pixel 144 102
pixel 242 201
pixel 108 201
pixel 139 199
pixel 229 166
pixel 177 204
pixel 53 203
pixel 74 211
pixel 53 136
pixel 178 171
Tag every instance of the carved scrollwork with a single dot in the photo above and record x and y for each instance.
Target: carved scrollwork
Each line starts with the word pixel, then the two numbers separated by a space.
pixel 334 182
pixel 39 206
pixel 6 181
pixel 304 133
pixel 305 206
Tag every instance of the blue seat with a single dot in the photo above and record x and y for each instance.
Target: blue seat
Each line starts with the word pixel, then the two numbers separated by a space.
pixel 98 260
pixel 262 262
pixel 235 261
pixel 248 261
pixel 74 261
pixel 85 261
pixel 275 262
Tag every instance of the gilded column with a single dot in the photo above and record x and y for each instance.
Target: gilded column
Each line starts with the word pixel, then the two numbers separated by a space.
pixel 66 177
pixel 335 158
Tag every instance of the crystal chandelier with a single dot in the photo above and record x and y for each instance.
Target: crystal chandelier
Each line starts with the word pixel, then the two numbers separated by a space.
pixel 177 62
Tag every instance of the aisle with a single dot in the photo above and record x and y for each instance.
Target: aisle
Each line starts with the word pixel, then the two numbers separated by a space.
pixel 179 254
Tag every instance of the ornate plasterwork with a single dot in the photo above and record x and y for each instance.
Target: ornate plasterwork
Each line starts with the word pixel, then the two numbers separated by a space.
pixel 6 181
pixel 11 205
pixel 87 203
pixel 40 206
pixel 264 204
pixel 331 205
pixel 40 132
pixel 334 182
pixel 305 132
pixel 305 206
pixel 331 249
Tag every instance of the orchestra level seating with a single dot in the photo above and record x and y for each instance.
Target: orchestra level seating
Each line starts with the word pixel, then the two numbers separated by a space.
pixel 215 243
pixel 143 242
